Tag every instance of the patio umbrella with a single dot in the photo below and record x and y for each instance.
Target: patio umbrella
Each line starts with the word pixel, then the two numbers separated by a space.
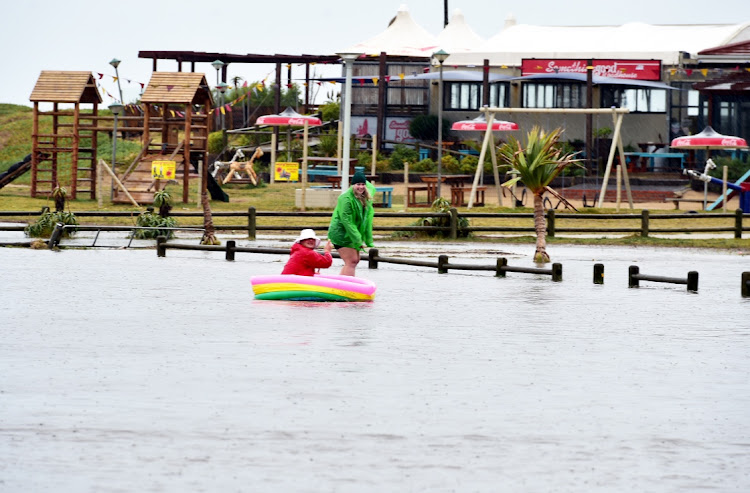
pixel 290 118
pixel 479 124
pixel 706 140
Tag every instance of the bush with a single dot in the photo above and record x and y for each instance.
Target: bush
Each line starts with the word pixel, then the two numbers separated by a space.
pixel 44 226
pixel 426 165
pixel 215 143
pixel 330 111
pixel 150 220
pixel 329 144
pixel 403 153
pixel 443 205
pixel 468 165
pixel 736 168
pixel 450 164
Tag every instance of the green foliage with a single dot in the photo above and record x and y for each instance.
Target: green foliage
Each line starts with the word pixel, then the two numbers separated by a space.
pixel 443 205
pixel 328 143
pixel 425 127
pixel 150 220
pixel 450 164
pixel 468 165
pixel 735 168
pixel 330 111
pixel 401 154
pixel 215 143
pixel 44 226
pixel 602 133
pixel 426 165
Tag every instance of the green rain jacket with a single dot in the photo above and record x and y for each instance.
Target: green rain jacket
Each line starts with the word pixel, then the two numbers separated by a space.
pixel 351 224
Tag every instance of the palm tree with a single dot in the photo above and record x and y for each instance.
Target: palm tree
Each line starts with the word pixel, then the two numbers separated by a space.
pixel 536 166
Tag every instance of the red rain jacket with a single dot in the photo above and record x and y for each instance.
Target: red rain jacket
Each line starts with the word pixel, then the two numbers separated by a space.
pixel 304 261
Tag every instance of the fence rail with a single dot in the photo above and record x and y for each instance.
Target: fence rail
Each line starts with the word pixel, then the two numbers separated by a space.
pixel 452 218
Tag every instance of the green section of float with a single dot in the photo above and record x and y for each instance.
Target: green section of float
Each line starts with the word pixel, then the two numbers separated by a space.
pixel 301 296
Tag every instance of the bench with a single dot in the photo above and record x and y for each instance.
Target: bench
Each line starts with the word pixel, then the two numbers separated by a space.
pixel 459 193
pixel 411 195
pixel 387 199
pixel 677 200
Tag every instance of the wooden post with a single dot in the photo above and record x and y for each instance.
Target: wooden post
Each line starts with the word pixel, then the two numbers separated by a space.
pixel 454 223
pixel 251 222
pixel 692 281
pixel 119 183
pixel 556 272
pixel 746 284
pixel 724 177
pixel 230 250
pixel 200 183
pixel 99 185
pixel 372 260
pixel 598 273
pixel 442 262
pixel 304 163
pixel 738 223
pixel 57 233
pixel 644 223
pixel 499 267
pixel 551 223
pixel 161 246
pixel 272 164
pixel 633 271
pixel 406 186
pixel 618 190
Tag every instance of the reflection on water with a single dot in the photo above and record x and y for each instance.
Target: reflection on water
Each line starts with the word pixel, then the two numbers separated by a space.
pixel 123 371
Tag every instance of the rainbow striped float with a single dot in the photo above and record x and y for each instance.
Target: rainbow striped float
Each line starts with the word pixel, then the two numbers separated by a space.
pixel 313 288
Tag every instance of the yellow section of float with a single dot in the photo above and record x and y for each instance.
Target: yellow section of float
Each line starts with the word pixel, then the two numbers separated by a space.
pixel 288 286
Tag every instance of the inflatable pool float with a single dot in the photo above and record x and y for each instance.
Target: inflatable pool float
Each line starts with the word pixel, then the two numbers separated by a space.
pixel 313 288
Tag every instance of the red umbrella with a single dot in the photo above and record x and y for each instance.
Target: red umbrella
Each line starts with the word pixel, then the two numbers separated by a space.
pixel 709 139
pixel 480 123
pixel 290 118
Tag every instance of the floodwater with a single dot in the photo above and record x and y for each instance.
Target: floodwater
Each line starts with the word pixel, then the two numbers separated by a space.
pixel 121 371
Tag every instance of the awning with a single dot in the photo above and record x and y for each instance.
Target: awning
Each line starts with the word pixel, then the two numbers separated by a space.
pixel 598 80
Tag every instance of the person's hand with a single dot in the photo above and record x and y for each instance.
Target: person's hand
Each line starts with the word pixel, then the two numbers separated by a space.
pixel 328 246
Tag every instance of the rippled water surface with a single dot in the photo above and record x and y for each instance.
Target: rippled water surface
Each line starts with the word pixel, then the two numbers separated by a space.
pixel 121 371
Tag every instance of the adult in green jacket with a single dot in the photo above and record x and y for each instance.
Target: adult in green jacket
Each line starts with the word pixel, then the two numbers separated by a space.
pixel 351 224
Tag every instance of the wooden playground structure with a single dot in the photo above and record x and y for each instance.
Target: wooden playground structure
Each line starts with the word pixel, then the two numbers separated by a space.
pixel 172 120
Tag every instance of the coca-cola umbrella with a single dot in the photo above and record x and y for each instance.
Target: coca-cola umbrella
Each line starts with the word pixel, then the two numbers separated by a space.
pixel 706 140
pixel 290 118
pixel 479 124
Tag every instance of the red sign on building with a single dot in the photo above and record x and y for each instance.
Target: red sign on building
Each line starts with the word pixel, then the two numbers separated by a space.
pixel 620 69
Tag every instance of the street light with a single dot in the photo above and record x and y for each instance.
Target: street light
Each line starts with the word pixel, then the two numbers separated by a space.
pixel 116 109
pixel 217 64
pixel 116 63
pixel 440 56
pixel 348 64
pixel 222 89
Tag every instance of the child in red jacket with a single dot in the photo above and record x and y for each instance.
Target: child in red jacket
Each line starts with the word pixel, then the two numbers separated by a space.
pixel 304 259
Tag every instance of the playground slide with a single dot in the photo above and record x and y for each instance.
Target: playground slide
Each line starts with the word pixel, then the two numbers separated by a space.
pixel 730 193
pixel 217 193
pixel 15 171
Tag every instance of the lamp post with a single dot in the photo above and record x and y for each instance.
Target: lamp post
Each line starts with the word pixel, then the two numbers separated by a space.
pixel 440 56
pixel 217 64
pixel 348 64
pixel 116 109
pixel 222 89
pixel 116 63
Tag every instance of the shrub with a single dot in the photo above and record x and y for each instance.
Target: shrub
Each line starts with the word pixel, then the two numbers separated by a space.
pixel 403 153
pixel 736 168
pixel 330 111
pixel 468 165
pixel 426 165
pixel 150 220
pixel 450 164
pixel 44 226
pixel 443 205
pixel 215 143
pixel 329 144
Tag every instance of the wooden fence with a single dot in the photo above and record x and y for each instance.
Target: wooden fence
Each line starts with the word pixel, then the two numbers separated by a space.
pixel 255 221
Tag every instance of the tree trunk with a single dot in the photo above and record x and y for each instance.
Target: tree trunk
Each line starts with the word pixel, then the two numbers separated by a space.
pixel 209 235
pixel 540 225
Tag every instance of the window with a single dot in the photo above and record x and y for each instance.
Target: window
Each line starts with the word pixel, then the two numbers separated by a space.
pixel 468 95
pixel 553 95
pixel 636 100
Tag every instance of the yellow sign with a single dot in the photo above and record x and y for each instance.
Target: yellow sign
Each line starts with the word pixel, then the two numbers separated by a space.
pixel 163 170
pixel 286 171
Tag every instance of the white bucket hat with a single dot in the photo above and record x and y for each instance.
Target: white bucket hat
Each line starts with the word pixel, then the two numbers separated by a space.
pixel 307 234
